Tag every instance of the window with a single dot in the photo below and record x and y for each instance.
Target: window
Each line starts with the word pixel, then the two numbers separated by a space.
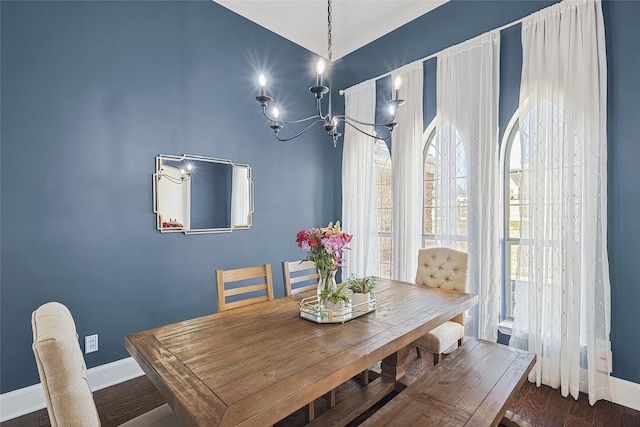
pixel 513 210
pixel 382 160
pixel 445 192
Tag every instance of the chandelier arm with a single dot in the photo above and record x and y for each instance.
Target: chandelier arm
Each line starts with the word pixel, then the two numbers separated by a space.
pixel 347 119
pixel 299 133
pixel 319 105
pixel 272 119
pixel 366 133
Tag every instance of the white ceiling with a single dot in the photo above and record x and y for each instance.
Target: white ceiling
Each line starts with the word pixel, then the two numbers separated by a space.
pixel 354 22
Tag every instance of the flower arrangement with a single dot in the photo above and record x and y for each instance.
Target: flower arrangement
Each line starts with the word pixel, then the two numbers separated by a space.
pixel 324 245
pixel 361 286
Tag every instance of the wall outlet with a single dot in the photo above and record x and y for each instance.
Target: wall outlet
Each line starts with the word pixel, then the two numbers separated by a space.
pixel 90 343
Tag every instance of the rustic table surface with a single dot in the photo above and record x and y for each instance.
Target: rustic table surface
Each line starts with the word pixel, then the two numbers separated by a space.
pixel 256 365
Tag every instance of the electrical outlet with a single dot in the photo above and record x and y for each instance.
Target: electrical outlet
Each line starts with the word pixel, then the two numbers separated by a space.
pixel 90 343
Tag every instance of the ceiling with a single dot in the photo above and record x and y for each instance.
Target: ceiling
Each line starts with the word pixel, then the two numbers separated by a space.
pixel 355 23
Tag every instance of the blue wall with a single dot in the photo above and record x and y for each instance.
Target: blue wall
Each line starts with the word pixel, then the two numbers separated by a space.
pixel 457 21
pixel 91 93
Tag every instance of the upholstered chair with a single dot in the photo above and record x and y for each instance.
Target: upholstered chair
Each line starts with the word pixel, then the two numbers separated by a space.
pixel 446 269
pixel 63 374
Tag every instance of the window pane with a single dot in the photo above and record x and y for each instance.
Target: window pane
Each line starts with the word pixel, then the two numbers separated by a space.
pixel 382 162
pixel 445 190
pixel 515 174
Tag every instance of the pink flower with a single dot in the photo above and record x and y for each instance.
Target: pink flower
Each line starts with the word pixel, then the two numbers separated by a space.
pixel 324 245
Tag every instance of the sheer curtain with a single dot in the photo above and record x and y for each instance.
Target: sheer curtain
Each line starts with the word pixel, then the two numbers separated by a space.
pixel 359 207
pixel 406 154
pixel 467 175
pixel 565 315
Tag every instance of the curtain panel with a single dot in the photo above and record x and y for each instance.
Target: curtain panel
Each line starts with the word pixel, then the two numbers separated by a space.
pixel 468 212
pixel 359 205
pixel 563 313
pixel 406 175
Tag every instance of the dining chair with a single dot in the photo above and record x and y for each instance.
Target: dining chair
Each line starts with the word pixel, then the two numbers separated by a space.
pixel 300 276
pixel 244 286
pixel 442 268
pixel 63 374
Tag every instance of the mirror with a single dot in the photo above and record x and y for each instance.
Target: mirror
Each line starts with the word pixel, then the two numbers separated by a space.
pixel 198 194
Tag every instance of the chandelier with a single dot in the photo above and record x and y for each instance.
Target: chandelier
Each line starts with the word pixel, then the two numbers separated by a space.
pixel 328 121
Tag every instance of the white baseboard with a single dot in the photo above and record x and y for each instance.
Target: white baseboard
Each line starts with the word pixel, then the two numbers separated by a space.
pixel 625 393
pixel 30 399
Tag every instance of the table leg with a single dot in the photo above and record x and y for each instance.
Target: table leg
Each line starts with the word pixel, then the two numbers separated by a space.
pixel 394 367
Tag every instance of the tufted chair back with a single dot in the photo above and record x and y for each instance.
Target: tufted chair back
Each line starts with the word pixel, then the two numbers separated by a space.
pixel 443 268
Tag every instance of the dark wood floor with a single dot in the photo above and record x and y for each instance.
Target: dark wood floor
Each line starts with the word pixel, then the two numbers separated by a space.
pixel 539 406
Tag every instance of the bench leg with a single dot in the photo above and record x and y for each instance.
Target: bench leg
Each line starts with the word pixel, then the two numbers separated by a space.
pixel 311 411
pixel 364 378
pixel 436 358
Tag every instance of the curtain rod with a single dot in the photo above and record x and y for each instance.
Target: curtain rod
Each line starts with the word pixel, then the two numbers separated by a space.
pixel 433 55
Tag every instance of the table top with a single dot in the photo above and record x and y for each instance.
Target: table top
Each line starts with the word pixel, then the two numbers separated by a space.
pixel 255 365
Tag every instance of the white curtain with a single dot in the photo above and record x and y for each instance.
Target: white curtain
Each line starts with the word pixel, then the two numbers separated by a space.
pixel 565 316
pixel 359 207
pixel 406 177
pixel 468 213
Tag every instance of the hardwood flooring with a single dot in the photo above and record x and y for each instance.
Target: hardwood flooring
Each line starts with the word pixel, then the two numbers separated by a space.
pixel 539 406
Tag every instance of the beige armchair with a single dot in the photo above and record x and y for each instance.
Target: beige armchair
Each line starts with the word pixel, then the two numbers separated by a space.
pixel 63 374
pixel 442 268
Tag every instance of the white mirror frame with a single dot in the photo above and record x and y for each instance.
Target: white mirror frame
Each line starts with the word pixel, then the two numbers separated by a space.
pixel 238 170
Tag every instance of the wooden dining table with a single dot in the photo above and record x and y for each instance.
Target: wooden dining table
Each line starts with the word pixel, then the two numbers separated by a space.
pixel 256 365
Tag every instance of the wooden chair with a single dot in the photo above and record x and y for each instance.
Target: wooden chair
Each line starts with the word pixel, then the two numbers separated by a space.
pixel 63 374
pixel 442 268
pixel 302 274
pixel 250 292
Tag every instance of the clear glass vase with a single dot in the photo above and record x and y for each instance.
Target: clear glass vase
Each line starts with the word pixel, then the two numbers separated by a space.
pixel 327 281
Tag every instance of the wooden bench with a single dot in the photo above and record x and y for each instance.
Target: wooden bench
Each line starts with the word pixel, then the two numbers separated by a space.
pixel 473 386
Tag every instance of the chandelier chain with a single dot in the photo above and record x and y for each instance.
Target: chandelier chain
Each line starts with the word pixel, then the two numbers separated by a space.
pixel 329 51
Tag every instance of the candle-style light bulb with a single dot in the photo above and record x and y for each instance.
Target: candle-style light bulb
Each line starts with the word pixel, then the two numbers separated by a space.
pixel 396 85
pixel 275 113
pixel 319 71
pixel 263 84
pixel 392 110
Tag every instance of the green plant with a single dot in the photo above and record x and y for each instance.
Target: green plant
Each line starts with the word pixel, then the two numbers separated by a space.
pixel 363 285
pixel 334 296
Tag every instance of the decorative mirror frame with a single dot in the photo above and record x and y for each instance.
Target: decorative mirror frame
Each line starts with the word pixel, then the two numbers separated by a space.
pixel 196 158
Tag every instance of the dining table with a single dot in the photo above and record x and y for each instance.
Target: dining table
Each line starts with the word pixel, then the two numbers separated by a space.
pixel 256 365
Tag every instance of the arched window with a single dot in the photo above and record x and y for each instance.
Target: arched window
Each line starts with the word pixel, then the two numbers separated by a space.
pixel 445 191
pixel 511 158
pixel 382 160
pixel 517 196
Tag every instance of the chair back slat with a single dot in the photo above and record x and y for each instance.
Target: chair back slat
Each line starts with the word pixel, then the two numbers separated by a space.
pixel 229 277
pixel 309 276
